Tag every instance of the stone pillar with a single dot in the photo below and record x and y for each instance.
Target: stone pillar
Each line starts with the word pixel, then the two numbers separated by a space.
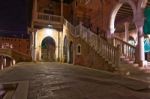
pixel 110 35
pixel 4 62
pixel 140 47
pixel 13 61
pixel 62 11
pixel 35 9
pixel 126 35
pixel 58 58
pixel 2 66
pixel 61 46
pixel 33 46
pixel 139 22
pixel 1 61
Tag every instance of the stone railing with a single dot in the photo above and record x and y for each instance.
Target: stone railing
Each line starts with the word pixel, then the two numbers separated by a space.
pixel 126 49
pixel 70 27
pixel 48 17
pixel 82 2
pixel 101 46
pixel 6 52
pixel 18 56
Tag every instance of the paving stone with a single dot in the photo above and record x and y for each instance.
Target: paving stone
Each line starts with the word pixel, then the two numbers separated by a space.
pixel 63 81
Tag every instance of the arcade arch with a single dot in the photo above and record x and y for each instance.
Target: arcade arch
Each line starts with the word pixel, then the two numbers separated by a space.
pixel 48 48
pixel 40 36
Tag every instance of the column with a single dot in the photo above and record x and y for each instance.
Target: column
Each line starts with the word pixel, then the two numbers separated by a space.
pixel 61 46
pixel 33 46
pixel 58 46
pixel 110 35
pixel 126 35
pixel 140 47
pixel 139 22
pixel 35 9
pixel 4 61
pixel 13 61
pixel 1 61
pixel 62 11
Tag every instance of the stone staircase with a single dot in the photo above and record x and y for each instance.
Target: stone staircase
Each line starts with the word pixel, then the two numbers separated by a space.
pixel 104 49
pixel 120 55
pixel 128 65
pixel 18 56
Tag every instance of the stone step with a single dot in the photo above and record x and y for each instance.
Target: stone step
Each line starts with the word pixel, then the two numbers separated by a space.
pixel 9 94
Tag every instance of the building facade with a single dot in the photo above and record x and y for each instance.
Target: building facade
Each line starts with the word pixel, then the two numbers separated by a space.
pixel 90 32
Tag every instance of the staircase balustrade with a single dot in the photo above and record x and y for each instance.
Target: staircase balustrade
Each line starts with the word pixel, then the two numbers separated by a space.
pixel 13 53
pixel 5 51
pixel 101 46
pixel 70 27
pixel 48 17
pixel 127 49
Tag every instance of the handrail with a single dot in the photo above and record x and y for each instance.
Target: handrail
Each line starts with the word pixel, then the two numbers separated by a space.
pixel 127 49
pixel 70 27
pixel 82 2
pixel 5 51
pixel 13 53
pixel 119 39
pixel 103 48
pixel 48 17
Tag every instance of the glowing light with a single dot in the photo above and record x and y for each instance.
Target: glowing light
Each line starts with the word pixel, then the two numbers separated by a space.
pixel 50 26
pixel 148 36
pixel 48 31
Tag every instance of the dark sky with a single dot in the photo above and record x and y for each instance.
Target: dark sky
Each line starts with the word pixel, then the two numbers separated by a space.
pixel 13 16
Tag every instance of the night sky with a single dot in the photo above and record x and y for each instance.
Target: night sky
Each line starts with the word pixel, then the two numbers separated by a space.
pixel 13 17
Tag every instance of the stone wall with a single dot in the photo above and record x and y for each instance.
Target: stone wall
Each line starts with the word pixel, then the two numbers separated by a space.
pixel 19 44
pixel 88 57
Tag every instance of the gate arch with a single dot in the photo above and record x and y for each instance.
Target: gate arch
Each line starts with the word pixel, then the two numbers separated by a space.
pixel 116 9
pixel 40 36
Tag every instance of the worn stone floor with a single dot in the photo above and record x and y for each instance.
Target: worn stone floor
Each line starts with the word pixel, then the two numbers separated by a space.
pixel 64 81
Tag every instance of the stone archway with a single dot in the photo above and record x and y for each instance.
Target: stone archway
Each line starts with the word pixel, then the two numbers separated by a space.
pixel 48 48
pixel 40 36
pixel 114 13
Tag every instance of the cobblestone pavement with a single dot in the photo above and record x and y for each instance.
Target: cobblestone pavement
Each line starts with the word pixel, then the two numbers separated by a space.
pixel 64 81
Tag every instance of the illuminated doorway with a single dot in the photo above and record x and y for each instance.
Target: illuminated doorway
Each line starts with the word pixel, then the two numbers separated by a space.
pixel 48 48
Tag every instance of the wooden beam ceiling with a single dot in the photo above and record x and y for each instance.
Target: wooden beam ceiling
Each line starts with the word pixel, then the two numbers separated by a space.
pixel 125 12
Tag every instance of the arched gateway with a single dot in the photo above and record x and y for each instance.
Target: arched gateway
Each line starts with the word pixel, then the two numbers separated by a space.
pixel 114 13
pixel 50 37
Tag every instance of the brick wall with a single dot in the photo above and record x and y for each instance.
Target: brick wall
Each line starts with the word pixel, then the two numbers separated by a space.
pixel 89 57
pixel 21 45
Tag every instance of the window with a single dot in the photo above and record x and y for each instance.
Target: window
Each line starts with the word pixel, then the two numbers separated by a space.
pixel 78 49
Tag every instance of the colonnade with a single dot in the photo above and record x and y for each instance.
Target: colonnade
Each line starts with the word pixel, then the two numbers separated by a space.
pixel 6 62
